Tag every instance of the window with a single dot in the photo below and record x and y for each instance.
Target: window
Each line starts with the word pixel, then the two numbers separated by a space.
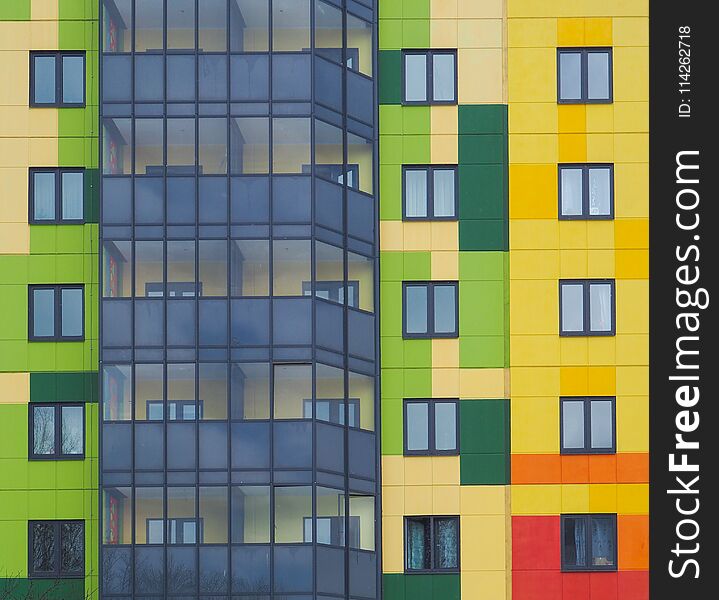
pixel 57 431
pixel 179 531
pixel 56 196
pixel 430 309
pixel 57 549
pixel 586 307
pixel 430 193
pixel 431 544
pixel 589 542
pixel 584 75
pixel 586 192
pixel 56 313
pixel 588 425
pixel 57 79
pixel 430 77
pixel 430 427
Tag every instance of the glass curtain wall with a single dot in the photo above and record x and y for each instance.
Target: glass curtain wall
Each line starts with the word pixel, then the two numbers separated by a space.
pixel 239 295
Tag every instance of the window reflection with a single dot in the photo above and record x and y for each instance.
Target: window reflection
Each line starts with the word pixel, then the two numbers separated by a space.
pixel 290 25
pixel 292 388
pixel 212 25
pixel 249 23
pixel 291 267
pixel 250 390
pixel 293 505
pixel 149 15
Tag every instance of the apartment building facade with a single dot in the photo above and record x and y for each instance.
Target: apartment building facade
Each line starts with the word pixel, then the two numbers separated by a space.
pixel 324 299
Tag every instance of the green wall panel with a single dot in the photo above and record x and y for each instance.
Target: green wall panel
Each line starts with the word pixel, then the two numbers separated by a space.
pixel 389 83
pixel 400 586
pixel 484 442
pixel 64 387
pixel 14 10
pixel 20 588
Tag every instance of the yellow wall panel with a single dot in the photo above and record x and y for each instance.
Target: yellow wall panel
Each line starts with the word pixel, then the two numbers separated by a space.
pixel 632 298
pixel 15 388
pixel 633 499
pixel 632 349
pixel 533 381
pixel 602 350
pixel 631 147
pixel 603 498
pixel 444 120
pixel 530 148
pixel 536 499
pixel 482 383
pixel 621 498
pixel 13 208
pixel 418 470
pixel 445 500
pixel 392 470
pixel 471 9
pixel 443 149
pixel 445 383
pixel 533 234
pixel 573 234
pixel 632 264
pixel 598 32
pixel 44 35
pixel 485 585
pixel 44 9
pixel 631 74
pixel 600 118
pixel 537 264
pixel 535 424
pixel 572 8
pixel 631 31
pixel 528 33
pixel 483 542
pixel 479 33
pixel 14 238
pixel 43 152
pixel 528 73
pixel 392 500
pixel 533 117
pixel 633 381
pixel 489 87
pixel 570 32
pixel 443 9
pixel 600 147
pixel 572 147
pixel 631 233
pixel 445 353
pixel 573 264
pixel 572 118
pixel 574 351
pixel 537 350
pixel 601 263
pixel 391 235
pixel 541 315
pixel 632 423
pixel 445 470
pixel 631 117
pixel 575 498
pixel 533 191
pixel 417 236
pixel 600 234
pixel 418 500
pixel 443 234
pixel 392 544
pixel 443 33
pixel 483 499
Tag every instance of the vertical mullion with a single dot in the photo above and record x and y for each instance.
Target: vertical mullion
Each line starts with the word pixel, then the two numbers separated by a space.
pixel 58 79
pixel 585 191
pixel 587 425
pixel 586 309
pixel 430 310
pixel 430 193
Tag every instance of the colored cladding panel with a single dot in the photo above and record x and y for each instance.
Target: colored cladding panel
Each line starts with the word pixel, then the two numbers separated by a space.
pixel 15 10
pixel 64 387
pixel 484 442
pixel 557 469
pixel 396 586
pixel 41 589
pixel 389 84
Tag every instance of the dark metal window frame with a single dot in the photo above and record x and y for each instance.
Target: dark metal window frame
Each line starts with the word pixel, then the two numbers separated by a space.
pixel 585 168
pixel 431 433
pixel 57 336
pixel 588 529
pixel 59 219
pixel 586 285
pixel 430 334
pixel 57 454
pixel 429 82
pixel 584 52
pixel 588 425
pixel 58 55
pixel 57 525
pixel 430 169
pixel 432 520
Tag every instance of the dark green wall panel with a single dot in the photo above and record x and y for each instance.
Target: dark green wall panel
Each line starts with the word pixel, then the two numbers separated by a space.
pixel 390 77
pixel 484 442
pixel 400 586
pixel 64 387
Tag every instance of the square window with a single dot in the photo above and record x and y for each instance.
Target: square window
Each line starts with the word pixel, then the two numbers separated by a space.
pixel 430 309
pixel 431 427
pixel 589 542
pixel 430 193
pixel 586 191
pixel 584 75
pixel 57 79
pixel 57 549
pixel 57 196
pixel 430 77
pixel 587 307
pixel 588 425
pixel 56 431
pixel 57 313
pixel 431 544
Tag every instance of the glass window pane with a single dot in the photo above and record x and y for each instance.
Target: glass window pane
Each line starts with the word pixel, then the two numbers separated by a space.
pixel 362 522
pixel 43 196
pixel 117 269
pixel 600 306
pixel 249 77
pixel 72 557
pixel 73 79
pixel 249 24
pixel 360 160
pixel 359 45
pixel 419 544
pixel 291 267
pixel 600 190
pixel 213 146
pixel 213 25
pixel 73 184
pixel 117 34
pixel 330 522
pixel 213 515
pixel 444 188
pixel 149 394
pixel 415 77
pixel 213 267
pixel 329 269
pixel 117 392
pixel 181 24
pixel 329 397
pixel 329 152
pixel 213 390
pixel 44 79
pixel 292 506
pixel 601 424
pixel 446 543
pixel 293 387
pixel 181 269
pixel 362 388
pixel 149 157
pixel 445 426
pixel 43 313
pixel 180 146
pixel 251 514
pixel 575 542
pixel 598 75
pixel 328 31
pixel 149 515
pixel 417 426
pixel 43 429
pixel 250 390
pixel 212 76
pixel 360 285
pixel 117 146
pixel 117 515
pixel 445 318
pixel 181 518
pixel 290 25
pixel 180 86
pixel 572 307
pixel 416 308
pixel 71 436
pixel 250 145
pixel 603 542
pixel 290 145
pixel 43 547
pixel 148 25
pixel 249 267
pixel 573 424
pixel 570 76
pixel 571 191
pixel 415 192
pixel 148 269
pixel 181 393
pixel 71 312
pixel 443 77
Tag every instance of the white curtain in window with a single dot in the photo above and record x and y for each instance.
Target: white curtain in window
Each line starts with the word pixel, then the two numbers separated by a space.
pixel 599 191
pixel 415 185
pixel 602 542
pixel 571 182
pixel 600 307
pixel 444 192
